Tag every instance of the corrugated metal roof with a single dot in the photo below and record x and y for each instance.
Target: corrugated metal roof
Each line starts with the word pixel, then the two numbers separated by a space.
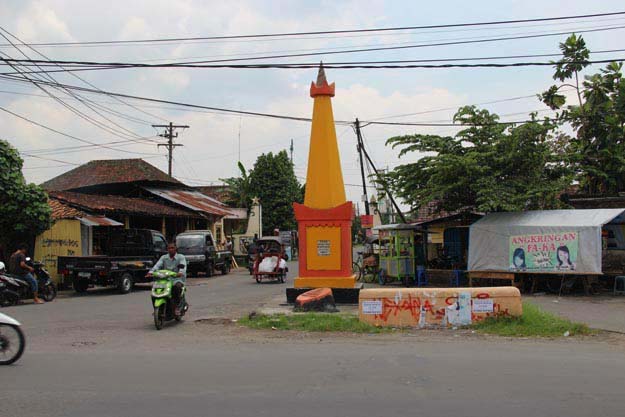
pixel 399 226
pixel 90 220
pixel 192 199
pixel 551 218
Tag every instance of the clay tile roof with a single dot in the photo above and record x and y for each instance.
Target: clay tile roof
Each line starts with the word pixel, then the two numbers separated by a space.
pixel 109 171
pixel 116 204
pixel 63 211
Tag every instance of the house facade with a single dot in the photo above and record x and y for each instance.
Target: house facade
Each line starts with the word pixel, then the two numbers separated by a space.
pixel 91 200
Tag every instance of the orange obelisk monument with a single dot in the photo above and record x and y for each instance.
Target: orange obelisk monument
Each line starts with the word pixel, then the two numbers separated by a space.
pixel 325 218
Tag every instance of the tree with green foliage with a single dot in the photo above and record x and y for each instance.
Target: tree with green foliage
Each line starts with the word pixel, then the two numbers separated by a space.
pixel 357 229
pixel 239 192
pixel 597 150
pixel 24 209
pixel 486 167
pixel 274 182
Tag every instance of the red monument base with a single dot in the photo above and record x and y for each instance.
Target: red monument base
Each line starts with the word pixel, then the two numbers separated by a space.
pixel 325 242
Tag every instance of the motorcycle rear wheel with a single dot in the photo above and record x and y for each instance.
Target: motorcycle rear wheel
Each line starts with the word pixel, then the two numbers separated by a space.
pixel 49 292
pixel 6 344
pixel 9 299
pixel 159 316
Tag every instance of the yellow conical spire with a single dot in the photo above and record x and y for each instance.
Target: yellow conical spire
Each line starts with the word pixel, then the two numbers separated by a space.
pixel 324 181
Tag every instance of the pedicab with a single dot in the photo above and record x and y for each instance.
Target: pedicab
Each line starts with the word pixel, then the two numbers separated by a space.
pixel 270 262
pixel 403 249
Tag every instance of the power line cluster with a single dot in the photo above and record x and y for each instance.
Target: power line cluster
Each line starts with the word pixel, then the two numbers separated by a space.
pixel 333 32
pixel 72 66
pixel 37 71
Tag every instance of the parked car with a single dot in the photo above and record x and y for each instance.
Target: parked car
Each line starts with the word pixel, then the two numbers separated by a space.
pixel 130 255
pixel 198 246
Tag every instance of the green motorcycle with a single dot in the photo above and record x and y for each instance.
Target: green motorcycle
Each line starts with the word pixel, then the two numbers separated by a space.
pixel 162 298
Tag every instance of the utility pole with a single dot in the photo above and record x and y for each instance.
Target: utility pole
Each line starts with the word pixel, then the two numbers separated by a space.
pixel 359 147
pixel 170 145
pixel 291 148
pixel 377 174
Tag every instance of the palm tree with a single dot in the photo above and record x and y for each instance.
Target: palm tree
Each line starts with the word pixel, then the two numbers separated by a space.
pixel 239 194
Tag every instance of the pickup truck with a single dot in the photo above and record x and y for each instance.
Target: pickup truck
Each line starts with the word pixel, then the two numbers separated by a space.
pixel 198 247
pixel 130 255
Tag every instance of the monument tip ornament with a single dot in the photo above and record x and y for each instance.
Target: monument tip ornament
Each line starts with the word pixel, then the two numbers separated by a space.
pixel 325 218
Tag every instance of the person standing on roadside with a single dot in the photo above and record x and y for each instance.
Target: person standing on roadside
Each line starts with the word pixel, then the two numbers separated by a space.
pixel 18 267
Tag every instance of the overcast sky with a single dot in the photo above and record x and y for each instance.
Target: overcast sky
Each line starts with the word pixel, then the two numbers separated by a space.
pixel 211 145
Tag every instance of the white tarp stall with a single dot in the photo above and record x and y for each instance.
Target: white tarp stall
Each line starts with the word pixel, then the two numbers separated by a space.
pixel 560 241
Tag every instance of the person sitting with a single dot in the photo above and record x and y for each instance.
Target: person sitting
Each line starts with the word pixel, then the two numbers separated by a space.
pixel 174 262
pixel 19 268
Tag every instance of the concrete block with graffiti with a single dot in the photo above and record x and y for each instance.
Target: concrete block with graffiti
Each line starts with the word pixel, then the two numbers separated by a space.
pixel 427 307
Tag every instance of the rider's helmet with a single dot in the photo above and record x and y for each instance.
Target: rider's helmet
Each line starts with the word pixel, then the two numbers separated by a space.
pixel 2 267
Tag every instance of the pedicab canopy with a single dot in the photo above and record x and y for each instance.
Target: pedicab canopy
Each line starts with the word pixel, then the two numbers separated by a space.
pixel 557 241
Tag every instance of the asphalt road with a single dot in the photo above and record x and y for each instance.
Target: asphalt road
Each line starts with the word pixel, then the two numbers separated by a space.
pixel 99 355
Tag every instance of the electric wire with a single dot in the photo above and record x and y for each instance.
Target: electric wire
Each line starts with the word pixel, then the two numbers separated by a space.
pixel 130 134
pixel 221 62
pixel 366 30
pixel 79 78
pixel 285 117
pixel 252 54
pixel 72 109
pixel 68 135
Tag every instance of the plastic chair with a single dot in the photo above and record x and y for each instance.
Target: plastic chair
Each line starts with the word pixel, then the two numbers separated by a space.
pixel 619 280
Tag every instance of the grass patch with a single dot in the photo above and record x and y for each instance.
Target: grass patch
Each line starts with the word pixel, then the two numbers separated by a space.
pixel 311 322
pixel 533 322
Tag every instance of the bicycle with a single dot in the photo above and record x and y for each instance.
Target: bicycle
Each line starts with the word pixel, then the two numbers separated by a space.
pixel 356 269
pixel 364 269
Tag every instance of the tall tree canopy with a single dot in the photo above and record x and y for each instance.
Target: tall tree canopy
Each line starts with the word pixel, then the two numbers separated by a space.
pixel 494 167
pixel 24 209
pixel 597 149
pixel 486 167
pixel 273 180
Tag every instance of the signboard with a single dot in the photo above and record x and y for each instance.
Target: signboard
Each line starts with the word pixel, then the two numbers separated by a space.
pixel 544 252
pixel 323 248
pixel 372 307
pixel 286 238
pixel 483 305
pixel 366 221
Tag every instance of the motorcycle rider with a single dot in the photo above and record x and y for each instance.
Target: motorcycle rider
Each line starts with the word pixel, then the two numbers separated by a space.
pixel 175 262
pixel 18 267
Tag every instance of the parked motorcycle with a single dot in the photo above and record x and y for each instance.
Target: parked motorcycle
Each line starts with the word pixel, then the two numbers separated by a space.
pixel 8 291
pixel 19 289
pixel 12 340
pixel 162 299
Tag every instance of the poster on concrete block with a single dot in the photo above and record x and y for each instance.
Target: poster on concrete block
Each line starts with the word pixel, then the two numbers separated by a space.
pixel 372 307
pixel 459 313
pixel 483 305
